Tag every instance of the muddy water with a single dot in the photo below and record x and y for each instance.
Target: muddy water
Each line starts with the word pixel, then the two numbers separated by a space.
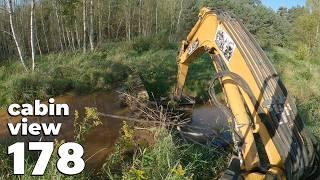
pixel 99 142
pixel 209 125
pixel 209 117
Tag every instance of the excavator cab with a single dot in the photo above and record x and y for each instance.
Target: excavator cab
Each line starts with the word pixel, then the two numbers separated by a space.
pixel 270 139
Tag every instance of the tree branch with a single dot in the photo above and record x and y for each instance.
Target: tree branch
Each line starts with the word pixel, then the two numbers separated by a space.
pixel 6 32
pixel 138 120
pixel 3 9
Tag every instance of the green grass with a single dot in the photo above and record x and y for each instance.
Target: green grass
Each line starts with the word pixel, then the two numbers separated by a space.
pixel 301 77
pixel 168 158
pixel 103 70
pixel 5 163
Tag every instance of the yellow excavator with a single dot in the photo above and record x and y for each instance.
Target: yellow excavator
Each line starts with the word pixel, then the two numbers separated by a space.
pixel 270 139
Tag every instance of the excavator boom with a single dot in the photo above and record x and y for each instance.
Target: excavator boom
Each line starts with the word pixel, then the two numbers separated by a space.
pixel 262 112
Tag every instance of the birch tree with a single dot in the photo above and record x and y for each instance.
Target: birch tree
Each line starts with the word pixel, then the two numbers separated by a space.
pixel 84 16
pixel 314 6
pixel 128 19
pixel 55 4
pixel 32 34
pixel 140 14
pixel 109 18
pixel 91 26
pixel 14 35
pixel 179 16
pixel 156 16
pixel 43 28
pixel 99 23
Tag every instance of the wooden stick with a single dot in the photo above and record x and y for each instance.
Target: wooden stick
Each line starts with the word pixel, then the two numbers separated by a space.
pixel 137 120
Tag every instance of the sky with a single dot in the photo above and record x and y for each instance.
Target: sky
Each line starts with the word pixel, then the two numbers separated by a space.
pixel 275 4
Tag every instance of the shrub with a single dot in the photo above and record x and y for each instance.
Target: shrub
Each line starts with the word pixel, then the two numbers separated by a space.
pixel 302 52
pixel 83 126
pixel 161 41
pixel 141 44
pixel 27 88
pixel 310 112
pixel 56 87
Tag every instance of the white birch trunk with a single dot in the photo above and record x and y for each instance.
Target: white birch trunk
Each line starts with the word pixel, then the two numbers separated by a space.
pixel 140 6
pixel 84 11
pixel 65 42
pixel 128 23
pixel 72 40
pixel 59 24
pixel 43 30
pixel 77 35
pixel 33 54
pixel 99 22
pixel 109 18
pixel 118 29
pixel 156 17
pixel 10 12
pixel 38 44
pixel 179 16
pixel 68 38
pixel 91 26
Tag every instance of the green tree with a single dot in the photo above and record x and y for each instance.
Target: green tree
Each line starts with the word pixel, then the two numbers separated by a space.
pixel 305 31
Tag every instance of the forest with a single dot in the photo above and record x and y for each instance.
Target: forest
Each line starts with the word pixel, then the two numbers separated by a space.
pixel 50 48
pixel 40 27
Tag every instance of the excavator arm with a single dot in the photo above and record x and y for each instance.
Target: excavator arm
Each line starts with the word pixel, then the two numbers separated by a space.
pixel 261 111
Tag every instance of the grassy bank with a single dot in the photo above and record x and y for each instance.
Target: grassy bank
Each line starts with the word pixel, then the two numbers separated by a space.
pixel 57 74
pixel 301 77
pixel 167 158
pixel 103 70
